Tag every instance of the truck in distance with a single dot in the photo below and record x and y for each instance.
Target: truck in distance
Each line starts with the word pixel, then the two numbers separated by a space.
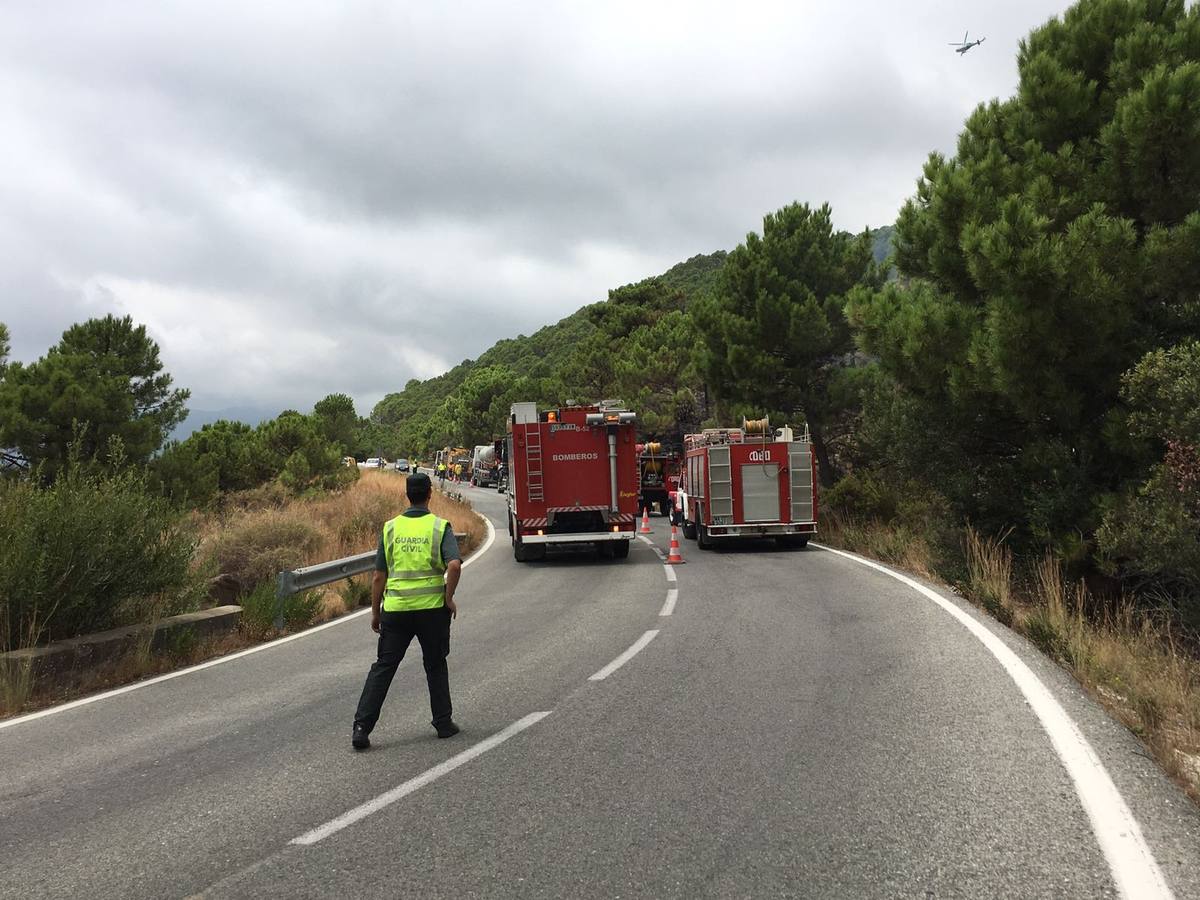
pixel 748 482
pixel 658 468
pixel 483 465
pixel 572 477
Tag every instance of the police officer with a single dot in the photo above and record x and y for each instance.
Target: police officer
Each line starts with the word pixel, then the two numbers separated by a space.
pixel 417 567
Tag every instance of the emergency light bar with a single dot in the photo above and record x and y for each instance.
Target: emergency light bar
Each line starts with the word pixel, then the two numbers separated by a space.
pixel 611 418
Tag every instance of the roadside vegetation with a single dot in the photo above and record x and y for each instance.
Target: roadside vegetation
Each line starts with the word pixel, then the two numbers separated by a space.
pixel 146 560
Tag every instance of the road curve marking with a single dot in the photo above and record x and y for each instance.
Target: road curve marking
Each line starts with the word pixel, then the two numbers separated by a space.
pixel 625 657
pixel 347 819
pixel 179 673
pixel 669 606
pixel 1129 857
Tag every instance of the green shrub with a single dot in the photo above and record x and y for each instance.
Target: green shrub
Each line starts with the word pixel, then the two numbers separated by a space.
pixel 263 544
pixel 862 495
pixel 93 551
pixel 259 607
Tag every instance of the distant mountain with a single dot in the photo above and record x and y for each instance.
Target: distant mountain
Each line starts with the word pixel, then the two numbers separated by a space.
pixel 881 239
pixel 198 418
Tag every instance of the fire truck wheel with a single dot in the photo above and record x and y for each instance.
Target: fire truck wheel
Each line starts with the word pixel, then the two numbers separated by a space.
pixel 523 552
pixel 689 530
pixel 604 549
pixel 620 549
pixel 703 541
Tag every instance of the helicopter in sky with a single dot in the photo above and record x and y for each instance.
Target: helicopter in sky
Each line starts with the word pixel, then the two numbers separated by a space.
pixel 963 46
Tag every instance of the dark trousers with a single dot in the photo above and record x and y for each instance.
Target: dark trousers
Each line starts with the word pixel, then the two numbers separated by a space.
pixel 431 628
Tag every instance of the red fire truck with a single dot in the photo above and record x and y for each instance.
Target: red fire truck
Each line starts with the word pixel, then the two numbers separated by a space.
pixel 659 472
pixel 748 482
pixel 572 478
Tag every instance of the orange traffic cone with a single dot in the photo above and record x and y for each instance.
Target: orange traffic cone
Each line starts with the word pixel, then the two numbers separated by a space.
pixel 673 557
pixel 645 529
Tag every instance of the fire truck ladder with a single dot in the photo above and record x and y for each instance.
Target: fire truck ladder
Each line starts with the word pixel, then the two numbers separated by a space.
pixel 720 482
pixel 533 465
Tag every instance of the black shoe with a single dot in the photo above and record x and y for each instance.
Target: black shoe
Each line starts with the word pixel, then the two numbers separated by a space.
pixel 359 739
pixel 446 729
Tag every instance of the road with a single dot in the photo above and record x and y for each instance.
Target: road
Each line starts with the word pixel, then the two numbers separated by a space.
pixel 798 725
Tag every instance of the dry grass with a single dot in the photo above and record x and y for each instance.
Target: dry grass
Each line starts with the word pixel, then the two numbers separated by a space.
pixel 254 538
pixel 894 544
pixel 1129 659
pixel 989 567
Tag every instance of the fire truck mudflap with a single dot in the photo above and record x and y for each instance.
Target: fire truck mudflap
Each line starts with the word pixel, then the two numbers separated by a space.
pixel 573 478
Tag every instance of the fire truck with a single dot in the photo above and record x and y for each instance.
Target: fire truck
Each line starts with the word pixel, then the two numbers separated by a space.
pixel 572 478
pixel 659 469
pixel 748 482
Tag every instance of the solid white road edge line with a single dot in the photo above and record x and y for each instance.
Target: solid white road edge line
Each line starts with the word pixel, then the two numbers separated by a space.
pixel 671 574
pixel 179 673
pixel 1130 859
pixel 625 657
pixel 415 784
pixel 669 605
pixel 645 540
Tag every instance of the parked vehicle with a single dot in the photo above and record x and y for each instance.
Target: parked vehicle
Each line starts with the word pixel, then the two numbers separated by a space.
pixel 483 465
pixel 401 465
pixel 573 478
pixel 374 462
pixel 748 482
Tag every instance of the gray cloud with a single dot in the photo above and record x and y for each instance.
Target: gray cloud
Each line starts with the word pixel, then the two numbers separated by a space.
pixel 305 198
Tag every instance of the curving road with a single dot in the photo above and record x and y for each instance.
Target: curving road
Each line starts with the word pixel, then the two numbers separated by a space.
pixel 771 724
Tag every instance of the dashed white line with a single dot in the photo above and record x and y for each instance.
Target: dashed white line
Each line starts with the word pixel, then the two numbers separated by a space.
pixel 1130 859
pixel 625 657
pixel 414 784
pixel 669 605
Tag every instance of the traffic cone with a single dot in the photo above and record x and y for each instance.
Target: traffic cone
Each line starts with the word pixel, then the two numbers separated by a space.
pixel 645 529
pixel 673 557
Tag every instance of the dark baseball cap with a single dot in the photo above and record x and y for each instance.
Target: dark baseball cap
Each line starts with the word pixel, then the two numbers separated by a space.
pixel 418 483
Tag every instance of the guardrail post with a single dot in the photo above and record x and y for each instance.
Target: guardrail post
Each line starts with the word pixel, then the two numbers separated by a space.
pixel 283 589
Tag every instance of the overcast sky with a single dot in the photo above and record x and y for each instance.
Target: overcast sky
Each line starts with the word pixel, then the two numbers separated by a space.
pixel 301 198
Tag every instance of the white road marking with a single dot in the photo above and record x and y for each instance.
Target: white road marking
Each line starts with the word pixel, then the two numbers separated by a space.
pixel 179 673
pixel 347 819
pixel 625 657
pixel 645 540
pixel 669 606
pixel 1130 859
pixel 671 574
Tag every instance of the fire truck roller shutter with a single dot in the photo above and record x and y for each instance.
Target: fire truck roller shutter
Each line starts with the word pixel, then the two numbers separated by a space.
pixel 760 492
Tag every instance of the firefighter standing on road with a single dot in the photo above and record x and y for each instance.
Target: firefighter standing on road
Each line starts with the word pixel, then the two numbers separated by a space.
pixel 416 573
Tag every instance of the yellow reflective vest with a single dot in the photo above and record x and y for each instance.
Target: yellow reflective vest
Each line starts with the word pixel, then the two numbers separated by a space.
pixel 416 571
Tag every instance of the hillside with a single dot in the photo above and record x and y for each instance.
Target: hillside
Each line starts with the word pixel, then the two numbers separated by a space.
pixel 467 403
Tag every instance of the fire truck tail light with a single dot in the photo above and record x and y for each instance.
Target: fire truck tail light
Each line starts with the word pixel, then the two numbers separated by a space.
pixel 540 532
pixel 616 528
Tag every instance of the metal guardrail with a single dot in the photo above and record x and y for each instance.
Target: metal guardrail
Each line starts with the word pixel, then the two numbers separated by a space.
pixel 308 577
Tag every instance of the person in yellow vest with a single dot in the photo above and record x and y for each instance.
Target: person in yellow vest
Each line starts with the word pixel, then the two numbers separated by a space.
pixel 417 567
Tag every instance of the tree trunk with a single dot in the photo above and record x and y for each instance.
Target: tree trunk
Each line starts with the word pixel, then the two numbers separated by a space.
pixel 824 466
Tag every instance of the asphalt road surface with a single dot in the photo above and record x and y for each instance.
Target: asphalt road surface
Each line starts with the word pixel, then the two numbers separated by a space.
pixel 768 723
